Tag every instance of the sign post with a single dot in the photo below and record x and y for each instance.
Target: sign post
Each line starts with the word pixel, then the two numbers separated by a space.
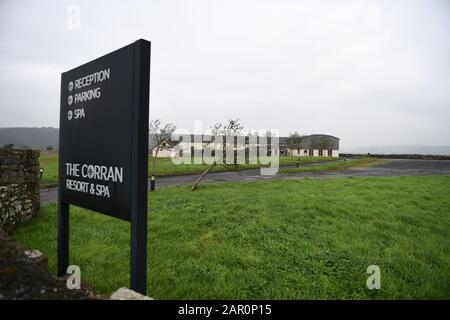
pixel 103 147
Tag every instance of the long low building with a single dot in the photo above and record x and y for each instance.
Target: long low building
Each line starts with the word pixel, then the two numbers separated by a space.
pixel 315 145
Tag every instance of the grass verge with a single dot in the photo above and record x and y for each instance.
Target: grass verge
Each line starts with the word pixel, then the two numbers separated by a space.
pixel 332 166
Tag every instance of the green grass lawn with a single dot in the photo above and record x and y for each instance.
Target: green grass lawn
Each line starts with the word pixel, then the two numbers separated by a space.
pixel 330 166
pixel 164 166
pixel 302 239
pixel 49 162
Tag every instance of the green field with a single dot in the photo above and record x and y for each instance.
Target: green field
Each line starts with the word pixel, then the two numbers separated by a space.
pixel 49 162
pixel 331 166
pixel 302 239
pixel 164 166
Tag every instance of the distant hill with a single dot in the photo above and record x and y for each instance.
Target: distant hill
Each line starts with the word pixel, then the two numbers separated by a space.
pixel 35 138
pixel 402 149
pixel 41 138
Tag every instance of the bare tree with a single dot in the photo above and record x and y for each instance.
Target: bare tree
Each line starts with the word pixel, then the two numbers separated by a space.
pixel 159 135
pixel 8 146
pixel 294 142
pixel 229 129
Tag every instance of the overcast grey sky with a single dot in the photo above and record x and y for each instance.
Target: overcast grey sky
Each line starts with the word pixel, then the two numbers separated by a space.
pixel 370 72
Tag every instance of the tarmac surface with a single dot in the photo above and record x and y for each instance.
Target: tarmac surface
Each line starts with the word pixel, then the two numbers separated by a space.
pixel 391 167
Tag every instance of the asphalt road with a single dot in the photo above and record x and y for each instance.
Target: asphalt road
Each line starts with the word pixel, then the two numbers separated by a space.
pixel 391 167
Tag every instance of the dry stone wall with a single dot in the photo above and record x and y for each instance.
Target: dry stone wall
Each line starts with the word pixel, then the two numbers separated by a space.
pixel 19 186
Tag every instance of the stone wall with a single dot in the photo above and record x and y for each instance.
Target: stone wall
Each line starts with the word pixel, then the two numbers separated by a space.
pixel 397 156
pixel 19 186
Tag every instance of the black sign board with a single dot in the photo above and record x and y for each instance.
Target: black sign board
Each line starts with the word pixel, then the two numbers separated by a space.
pixel 103 146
